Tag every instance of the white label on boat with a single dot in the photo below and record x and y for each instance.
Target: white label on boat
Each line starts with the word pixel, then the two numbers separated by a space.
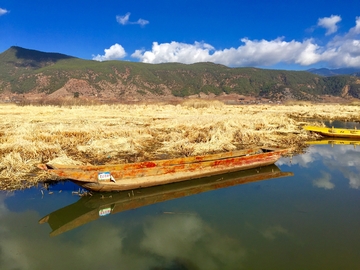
pixel 104 212
pixel 104 176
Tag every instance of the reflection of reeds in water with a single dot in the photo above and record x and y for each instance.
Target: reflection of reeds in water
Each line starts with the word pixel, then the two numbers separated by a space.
pixel 112 134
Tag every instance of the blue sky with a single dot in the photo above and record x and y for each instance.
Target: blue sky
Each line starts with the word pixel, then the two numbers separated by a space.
pixel 295 35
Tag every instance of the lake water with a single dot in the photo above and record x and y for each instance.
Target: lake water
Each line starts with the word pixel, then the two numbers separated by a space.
pixel 310 220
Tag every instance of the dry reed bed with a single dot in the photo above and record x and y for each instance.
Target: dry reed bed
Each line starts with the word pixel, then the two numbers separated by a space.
pixel 129 133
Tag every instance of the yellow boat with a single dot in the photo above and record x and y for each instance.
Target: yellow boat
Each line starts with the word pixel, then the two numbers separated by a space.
pixel 335 132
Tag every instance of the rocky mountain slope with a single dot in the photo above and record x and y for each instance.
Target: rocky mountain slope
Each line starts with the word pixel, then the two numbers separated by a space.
pixel 56 75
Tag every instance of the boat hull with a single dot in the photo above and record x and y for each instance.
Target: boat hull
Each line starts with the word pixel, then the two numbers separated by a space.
pixel 127 179
pixel 335 132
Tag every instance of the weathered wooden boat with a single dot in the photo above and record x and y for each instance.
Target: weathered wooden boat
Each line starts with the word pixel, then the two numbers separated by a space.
pixel 91 208
pixel 159 172
pixel 335 132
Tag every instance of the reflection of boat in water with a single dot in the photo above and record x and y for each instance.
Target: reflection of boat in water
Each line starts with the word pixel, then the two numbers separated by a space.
pixel 159 172
pixel 339 141
pixel 87 209
pixel 335 132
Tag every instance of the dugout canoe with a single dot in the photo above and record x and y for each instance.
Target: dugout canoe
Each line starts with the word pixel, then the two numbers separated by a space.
pixel 159 172
pixel 90 208
pixel 335 132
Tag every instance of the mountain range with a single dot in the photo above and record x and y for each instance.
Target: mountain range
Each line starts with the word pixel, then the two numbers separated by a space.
pixel 334 72
pixel 52 75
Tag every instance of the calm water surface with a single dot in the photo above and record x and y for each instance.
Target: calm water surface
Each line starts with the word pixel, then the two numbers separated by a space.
pixel 310 220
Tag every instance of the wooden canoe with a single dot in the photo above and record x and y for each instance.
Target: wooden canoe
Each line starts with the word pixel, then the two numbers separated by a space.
pixel 91 208
pixel 335 132
pixel 152 173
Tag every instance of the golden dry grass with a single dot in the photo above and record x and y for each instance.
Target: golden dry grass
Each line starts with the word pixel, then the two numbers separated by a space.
pixel 201 103
pixel 112 134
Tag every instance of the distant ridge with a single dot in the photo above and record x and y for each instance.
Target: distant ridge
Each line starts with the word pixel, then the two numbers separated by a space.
pixel 54 75
pixel 21 58
pixel 333 72
pixel 34 55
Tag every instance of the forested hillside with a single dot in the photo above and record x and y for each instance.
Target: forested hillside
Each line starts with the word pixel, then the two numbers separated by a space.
pixel 23 71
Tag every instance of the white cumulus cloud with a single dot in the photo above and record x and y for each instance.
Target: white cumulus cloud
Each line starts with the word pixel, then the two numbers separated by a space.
pixel 252 53
pixel 341 51
pixel 114 52
pixel 344 50
pixel 175 52
pixel 347 54
pixel 124 20
pixel 355 30
pixel 3 11
pixel 329 23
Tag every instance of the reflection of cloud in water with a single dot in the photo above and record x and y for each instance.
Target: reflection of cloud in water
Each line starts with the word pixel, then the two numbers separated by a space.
pixel 353 177
pixel 3 209
pixel 101 245
pixel 324 181
pixel 303 160
pixel 341 157
pixel 271 232
pixel 26 245
pixel 188 239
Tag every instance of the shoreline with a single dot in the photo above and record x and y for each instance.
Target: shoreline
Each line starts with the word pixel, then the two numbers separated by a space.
pixel 115 134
